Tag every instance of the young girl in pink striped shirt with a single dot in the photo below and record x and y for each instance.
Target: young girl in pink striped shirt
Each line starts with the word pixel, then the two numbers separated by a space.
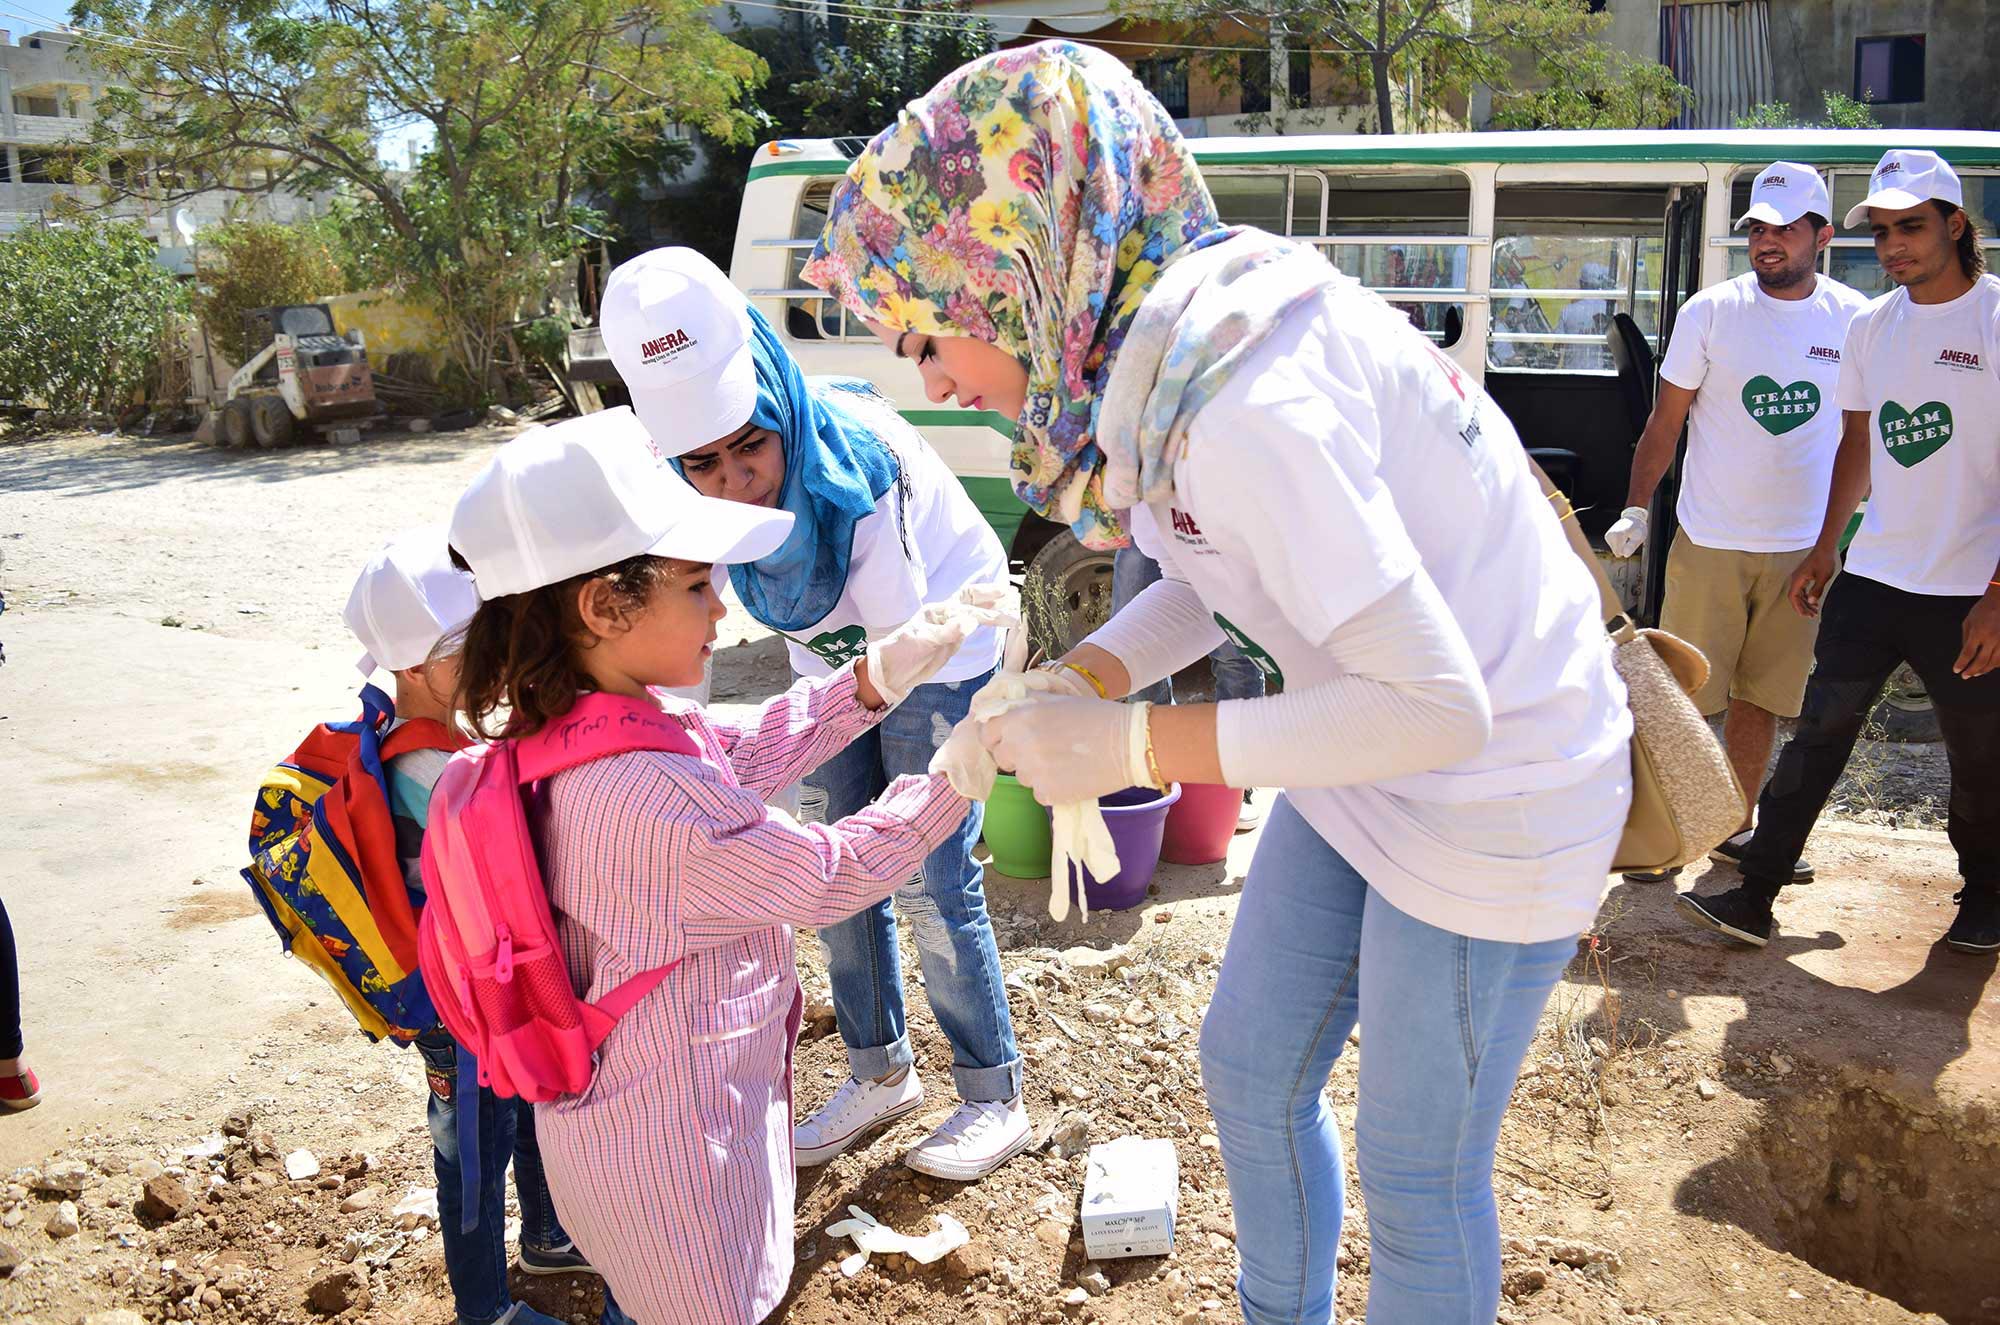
pixel 673 1171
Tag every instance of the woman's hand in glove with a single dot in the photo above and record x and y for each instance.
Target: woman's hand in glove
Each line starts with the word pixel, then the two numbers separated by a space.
pixel 1070 749
pixel 918 649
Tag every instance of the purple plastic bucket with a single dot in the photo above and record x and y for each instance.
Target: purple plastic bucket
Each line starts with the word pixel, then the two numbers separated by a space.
pixel 1137 818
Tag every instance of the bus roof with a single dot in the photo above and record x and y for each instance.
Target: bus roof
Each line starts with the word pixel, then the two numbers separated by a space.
pixel 1861 147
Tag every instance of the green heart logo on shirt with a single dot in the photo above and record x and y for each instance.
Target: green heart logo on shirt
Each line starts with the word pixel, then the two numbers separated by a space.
pixel 1912 436
pixel 837 648
pixel 1251 650
pixel 1779 409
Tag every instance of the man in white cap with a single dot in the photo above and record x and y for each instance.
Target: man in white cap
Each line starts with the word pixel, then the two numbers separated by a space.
pixel 1751 371
pixel 406 608
pixel 1919 393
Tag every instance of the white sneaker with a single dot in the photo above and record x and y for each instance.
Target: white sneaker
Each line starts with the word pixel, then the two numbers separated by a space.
pixel 855 1109
pixel 978 1138
pixel 1250 815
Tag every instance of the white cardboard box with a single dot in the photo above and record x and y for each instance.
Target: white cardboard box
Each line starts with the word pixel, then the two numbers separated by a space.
pixel 1131 1192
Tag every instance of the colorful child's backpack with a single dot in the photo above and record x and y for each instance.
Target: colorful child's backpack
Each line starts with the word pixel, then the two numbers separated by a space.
pixel 488 937
pixel 323 865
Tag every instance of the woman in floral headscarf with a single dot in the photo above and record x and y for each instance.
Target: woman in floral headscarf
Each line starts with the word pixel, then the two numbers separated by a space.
pixel 1328 491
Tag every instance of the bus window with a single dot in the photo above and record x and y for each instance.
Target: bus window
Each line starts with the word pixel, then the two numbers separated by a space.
pixel 810 315
pixel 1565 262
pixel 1250 197
pixel 1852 255
pixel 1736 248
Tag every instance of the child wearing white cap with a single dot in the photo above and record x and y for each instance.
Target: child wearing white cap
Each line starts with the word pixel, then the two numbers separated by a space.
pixel 1750 371
pixel 594 563
pixel 881 526
pixel 406 609
pixel 1919 394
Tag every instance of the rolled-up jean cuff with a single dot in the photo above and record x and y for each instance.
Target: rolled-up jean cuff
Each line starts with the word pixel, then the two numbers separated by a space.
pixel 881 1060
pixel 980 1084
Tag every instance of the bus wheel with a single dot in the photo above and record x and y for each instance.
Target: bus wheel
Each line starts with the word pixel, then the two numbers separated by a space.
pixel 1066 594
pixel 1905 713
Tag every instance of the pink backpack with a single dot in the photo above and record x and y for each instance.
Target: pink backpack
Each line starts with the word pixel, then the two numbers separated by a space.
pixel 487 939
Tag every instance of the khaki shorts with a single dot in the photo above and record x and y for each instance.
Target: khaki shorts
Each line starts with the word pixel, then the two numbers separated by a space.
pixel 1733 607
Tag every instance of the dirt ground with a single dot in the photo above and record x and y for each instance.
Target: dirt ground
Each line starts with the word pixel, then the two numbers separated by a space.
pixel 1702 1135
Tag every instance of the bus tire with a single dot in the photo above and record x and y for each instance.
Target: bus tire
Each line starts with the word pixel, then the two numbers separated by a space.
pixel 1066 594
pixel 1905 713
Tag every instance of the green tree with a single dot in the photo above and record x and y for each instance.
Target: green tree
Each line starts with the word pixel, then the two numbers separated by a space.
pixel 259 264
pixel 829 78
pixel 1594 86
pixel 84 309
pixel 525 100
pixel 1842 112
pixel 1448 46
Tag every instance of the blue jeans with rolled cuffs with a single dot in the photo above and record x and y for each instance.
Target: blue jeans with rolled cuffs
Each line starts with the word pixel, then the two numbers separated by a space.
pixel 944 905
pixel 1236 677
pixel 1448 1020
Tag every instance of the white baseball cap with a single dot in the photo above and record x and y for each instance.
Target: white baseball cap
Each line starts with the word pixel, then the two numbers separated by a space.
pixel 1904 178
pixel 1784 192
pixel 575 496
pixel 680 335
pixel 408 598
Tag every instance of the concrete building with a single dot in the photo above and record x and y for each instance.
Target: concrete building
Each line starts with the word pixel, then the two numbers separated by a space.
pixel 1918 63
pixel 48 89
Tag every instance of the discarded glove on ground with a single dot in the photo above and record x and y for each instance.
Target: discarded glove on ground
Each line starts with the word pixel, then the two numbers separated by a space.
pixel 878 1239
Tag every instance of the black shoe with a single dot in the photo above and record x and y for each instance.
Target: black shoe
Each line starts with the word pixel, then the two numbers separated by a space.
pixel 565 1259
pixel 1652 876
pixel 1740 913
pixel 1731 853
pixel 1976 928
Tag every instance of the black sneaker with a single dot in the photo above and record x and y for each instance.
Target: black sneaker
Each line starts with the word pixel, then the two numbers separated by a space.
pixel 1976 928
pixel 565 1259
pixel 1731 853
pixel 1740 913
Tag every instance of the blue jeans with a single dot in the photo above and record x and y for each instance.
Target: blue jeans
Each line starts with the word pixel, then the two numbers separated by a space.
pixel 1448 1021
pixel 476 1261
pixel 945 906
pixel 1236 677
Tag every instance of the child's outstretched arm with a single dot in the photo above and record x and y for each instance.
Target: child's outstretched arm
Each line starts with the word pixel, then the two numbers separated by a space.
pixel 750 863
pixel 795 732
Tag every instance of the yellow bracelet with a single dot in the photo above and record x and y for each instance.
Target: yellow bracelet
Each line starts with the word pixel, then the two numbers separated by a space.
pixel 1083 672
pixel 1152 759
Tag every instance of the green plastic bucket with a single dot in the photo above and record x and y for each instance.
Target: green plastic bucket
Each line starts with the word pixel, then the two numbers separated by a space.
pixel 1017 830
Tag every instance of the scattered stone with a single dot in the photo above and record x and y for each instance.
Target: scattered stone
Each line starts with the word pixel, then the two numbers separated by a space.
pixel 1524 1281
pixel 1071 1134
pixel 1100 1013
pixel 365 1199
pixel 112 1165
pixel 145 1170
pixel 121 1316
pixel 206 1148
pixel 63 1223
pixel 417 1209
pixel 1051 1234
pixel 300 1165
pixel 1781 1065
pixel 1092 1281
pixel 237 1121
pixel 66 1177
pixel 1076 1297
pixel 972 1261
pixel 1707 1089
pixel 1136 1014
pixel 10 1260
pixel 165 1199
pixel 1210 1141
pixel 1578 1255
pixel 338 1290
pixel 1107 960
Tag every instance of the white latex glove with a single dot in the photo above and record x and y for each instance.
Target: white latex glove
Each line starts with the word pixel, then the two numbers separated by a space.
pixel 1069 749
pixel 964 759
pixel 1056 680
pixel 1628 534
pixel 918 649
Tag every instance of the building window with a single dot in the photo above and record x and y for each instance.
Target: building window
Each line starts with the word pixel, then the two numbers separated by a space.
pixel 1301 79
pixel 35 169
pixel 1253 72
pixel 1597 6
pixel 6 166
pixel 1167 80
pixel 1889 69
pixel 27 105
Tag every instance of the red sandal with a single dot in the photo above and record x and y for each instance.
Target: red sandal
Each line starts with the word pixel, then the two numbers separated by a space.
pixel 20 1090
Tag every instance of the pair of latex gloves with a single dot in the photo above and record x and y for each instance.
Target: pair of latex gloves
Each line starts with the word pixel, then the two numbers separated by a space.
pixel 917 650
pixel 1050 730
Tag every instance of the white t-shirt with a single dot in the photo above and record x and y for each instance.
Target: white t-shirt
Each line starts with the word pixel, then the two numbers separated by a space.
pixel 924 542
pixel 1927 378
pixel 1345 453
pixel 1764 428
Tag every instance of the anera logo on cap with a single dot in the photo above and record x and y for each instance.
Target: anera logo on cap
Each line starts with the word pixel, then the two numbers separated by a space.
pixel 665 347
pixel 1776 182
pixel 1886 169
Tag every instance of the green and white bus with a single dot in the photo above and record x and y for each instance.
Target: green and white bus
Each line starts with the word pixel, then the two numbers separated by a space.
pixel 1549 265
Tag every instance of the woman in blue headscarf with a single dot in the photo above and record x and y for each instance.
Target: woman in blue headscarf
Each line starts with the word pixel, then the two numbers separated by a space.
pixel 881 528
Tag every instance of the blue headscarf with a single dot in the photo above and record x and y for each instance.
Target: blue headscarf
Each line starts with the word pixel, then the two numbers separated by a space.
pixel 836 468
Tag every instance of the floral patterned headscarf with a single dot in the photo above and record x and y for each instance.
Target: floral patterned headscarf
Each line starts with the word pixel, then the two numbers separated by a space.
pixel 1029 201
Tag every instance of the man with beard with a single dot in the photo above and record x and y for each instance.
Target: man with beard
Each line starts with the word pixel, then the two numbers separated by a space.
pixel 1751 368
pixel 1919 395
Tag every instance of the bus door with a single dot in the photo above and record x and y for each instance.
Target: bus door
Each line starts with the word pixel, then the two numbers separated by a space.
pixel 1680 277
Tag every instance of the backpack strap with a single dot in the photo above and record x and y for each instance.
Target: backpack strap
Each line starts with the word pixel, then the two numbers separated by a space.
pixel 606 1012
pixel 598 726
pixel 421 734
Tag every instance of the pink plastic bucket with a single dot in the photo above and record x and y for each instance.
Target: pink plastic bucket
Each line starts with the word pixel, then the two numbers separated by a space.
pixel 1137 818
pixel 1201 824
